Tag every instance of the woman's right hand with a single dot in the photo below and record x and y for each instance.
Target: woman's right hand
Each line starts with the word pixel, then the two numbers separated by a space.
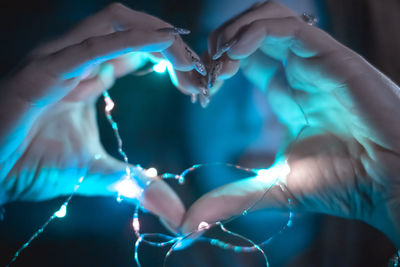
pixel 347 161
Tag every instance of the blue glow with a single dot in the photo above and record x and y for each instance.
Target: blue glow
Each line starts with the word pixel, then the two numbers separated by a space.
pixel 277 172
pixel 161 66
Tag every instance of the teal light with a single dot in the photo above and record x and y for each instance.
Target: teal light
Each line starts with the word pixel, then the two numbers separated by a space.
pixel 161 66
pixel 61 212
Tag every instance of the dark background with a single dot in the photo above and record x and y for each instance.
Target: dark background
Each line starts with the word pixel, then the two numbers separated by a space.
pixel 161 128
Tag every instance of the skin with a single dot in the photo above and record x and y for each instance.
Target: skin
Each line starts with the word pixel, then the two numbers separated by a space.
pixel 346 162
pixel 49 136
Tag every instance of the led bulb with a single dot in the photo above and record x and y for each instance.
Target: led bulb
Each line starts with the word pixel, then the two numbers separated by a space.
pixel 128 188
pixel 161 66
pixel 61 212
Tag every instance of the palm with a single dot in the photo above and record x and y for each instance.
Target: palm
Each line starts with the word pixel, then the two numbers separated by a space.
pixel 60 144
pixel 340 165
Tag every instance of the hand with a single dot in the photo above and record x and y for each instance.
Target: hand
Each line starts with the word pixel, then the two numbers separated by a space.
pixel 347 161
pixel 49 135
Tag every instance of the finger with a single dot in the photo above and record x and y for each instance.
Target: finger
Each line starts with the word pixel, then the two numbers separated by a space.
pixel 222 69
pixel 190 83
pixel 74 60
pixel 277 37
pixel 184 58
pixel 90 89
pixel 106 173
pixel 115 17
pixel 320 178
pixel 260 69
pixel 129 63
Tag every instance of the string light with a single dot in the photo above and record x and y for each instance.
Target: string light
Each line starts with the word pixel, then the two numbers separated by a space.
pixel 128 187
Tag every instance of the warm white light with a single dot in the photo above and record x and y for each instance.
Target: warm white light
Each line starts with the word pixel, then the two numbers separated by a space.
pixel 61 212
pixel 161 66
pixel 128 188
pixel 203 226
pixel 151 172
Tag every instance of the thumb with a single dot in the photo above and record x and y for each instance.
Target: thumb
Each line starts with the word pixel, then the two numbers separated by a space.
pixel 259 192
pixel 104 179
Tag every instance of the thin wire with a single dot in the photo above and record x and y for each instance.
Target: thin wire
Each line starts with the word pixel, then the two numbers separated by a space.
pixel 176 241
pixel 181 179
pixel 108 108
pixel 42 228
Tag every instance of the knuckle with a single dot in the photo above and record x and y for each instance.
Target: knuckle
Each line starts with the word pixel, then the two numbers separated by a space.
pixel 87 44
pixel 293 19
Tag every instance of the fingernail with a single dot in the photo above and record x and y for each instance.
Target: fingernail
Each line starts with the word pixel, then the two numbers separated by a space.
pixel 204 101
pixel 224 49
pixel 193 98
pixel 205 92
pixel 211 80
pixel 175 30
pixel 200 67
pixel 214 72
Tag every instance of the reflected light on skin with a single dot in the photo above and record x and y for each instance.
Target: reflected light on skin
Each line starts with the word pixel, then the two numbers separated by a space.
pixel 277 173
pixel 128 188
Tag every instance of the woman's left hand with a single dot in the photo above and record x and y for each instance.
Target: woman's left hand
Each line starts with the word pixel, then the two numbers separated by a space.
pixel 49 136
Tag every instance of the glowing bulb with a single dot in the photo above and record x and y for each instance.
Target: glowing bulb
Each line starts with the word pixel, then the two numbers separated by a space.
pixel 161 66
pixel 128 188
pixel 109 104
pixel 278 171
pixel 61 212
pixel 151 172
pixel 203 226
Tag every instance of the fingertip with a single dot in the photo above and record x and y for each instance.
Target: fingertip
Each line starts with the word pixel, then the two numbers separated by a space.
pixel 161 200
pixel 174 30
pixel 224 48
